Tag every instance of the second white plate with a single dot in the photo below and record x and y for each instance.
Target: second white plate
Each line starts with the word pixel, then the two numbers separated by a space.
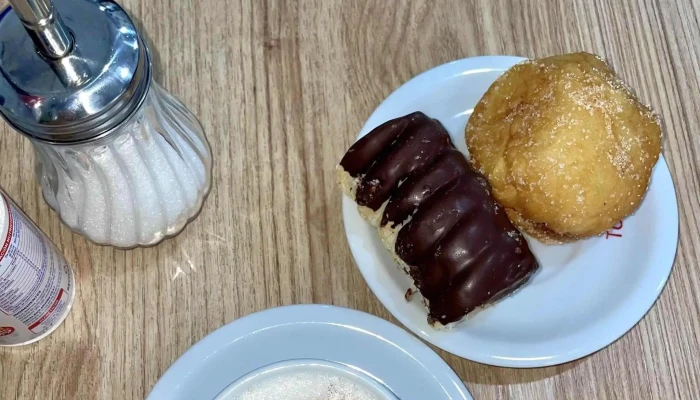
pixel 293 335
pixel 586 295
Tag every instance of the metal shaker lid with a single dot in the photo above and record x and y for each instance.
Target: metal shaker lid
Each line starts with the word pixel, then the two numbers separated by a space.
pixel 71 70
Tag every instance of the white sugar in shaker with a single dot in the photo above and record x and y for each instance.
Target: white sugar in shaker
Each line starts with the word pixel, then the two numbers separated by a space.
pixel 120 159
pixel 37 286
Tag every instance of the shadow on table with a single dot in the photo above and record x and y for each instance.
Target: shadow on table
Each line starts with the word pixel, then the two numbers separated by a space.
pixel 474 373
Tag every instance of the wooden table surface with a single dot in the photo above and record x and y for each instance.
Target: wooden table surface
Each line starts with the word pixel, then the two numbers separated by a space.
pixel 282 88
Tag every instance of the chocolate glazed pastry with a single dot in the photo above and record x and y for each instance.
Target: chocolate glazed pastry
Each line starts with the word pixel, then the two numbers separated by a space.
pixel 437 217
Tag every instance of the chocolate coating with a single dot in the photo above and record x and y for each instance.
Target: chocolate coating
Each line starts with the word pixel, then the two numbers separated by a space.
pixel 365 151
pixel 462 250
pixel 418 187
pixel 476 259
pixel 417 142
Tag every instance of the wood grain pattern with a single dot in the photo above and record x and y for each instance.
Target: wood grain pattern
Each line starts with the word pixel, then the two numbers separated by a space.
pixel 282 88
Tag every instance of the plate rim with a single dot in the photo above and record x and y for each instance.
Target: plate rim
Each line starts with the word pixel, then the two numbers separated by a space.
pixel 195 356
pixel 446 71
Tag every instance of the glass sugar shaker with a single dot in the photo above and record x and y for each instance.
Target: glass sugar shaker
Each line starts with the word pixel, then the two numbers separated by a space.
pixel 120 159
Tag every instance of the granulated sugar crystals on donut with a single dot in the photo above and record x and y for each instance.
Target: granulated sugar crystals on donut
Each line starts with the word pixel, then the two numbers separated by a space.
pixel 565 145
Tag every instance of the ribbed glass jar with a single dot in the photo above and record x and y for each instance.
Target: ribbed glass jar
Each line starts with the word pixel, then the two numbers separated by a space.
pixel 136 185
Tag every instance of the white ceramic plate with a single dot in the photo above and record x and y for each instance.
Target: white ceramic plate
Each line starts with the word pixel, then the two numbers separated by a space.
pixel 377 348
pixel 586 295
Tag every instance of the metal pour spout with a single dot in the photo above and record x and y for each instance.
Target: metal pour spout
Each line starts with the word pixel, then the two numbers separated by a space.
pixel 44 26
pixel 70 78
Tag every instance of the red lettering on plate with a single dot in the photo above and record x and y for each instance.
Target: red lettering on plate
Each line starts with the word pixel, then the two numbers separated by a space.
pixel 615 227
